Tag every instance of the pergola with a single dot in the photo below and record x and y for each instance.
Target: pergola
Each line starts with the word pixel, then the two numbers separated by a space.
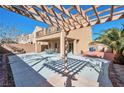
pixel 70 17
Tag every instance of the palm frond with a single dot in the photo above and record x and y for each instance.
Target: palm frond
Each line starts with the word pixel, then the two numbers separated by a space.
pixel 113 38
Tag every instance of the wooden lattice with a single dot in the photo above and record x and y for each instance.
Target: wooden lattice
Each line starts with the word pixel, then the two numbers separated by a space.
pixel 70 18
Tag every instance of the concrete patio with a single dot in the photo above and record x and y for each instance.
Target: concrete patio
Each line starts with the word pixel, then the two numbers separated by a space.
pixel 41 70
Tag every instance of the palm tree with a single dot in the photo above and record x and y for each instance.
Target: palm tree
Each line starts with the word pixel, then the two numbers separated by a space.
pixel 114 38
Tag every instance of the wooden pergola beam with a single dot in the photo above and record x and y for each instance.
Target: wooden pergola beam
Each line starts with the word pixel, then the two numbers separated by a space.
pixel 82 13
pixel 51 19
pixel 106 10
pixel 66 12
pixel 49 16
pixel 36 14
pixel 95 10
pixel 111 12
pixel 69 15
pixel 34 11
pixel 56 16
pixel 116 15
pixel 15 10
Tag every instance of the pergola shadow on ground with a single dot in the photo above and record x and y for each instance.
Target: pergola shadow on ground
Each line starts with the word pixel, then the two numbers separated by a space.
pixel 25 75
pixel 74 67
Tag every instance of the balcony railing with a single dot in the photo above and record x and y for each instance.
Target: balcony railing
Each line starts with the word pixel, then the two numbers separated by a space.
pixel 46 32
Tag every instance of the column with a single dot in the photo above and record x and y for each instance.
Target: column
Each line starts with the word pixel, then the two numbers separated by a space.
pixel 37 47
pixel 62 44
pixel 75 46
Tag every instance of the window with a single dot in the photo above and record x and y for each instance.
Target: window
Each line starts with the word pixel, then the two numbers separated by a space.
pixel 92 49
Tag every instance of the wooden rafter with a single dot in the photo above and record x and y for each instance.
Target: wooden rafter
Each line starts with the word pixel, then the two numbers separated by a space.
pixel 82 13
pixel 106 10
pixel 111 12
pixel 56 16
pixel 72 21
pixel 95 10
pixel 33 10
pixel 14 10
pixel 64 11
pixel 51 19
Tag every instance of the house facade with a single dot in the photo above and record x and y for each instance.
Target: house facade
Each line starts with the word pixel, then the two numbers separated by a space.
pixel 53 38
pixel 99 47
pixel 25 38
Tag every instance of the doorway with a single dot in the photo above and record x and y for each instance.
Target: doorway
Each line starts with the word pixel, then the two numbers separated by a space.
pixel 70 50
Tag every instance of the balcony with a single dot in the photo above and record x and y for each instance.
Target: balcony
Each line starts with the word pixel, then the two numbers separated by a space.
pixel 46 32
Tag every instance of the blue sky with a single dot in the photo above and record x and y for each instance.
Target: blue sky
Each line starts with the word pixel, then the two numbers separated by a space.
pixel 26 25
pixel 104 26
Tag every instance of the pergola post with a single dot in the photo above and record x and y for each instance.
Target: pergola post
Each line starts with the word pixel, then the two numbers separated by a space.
pixel 64 47
pixel 62 44
pixel 65 53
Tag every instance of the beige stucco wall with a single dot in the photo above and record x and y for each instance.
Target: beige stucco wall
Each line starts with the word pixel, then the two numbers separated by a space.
pixel 52 43
pixel 101 48
pixel 26 47
pixel 48 37
pixel 81 38
pixel 37 28
pixel 37 47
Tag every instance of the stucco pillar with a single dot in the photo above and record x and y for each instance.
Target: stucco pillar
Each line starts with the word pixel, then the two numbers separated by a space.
pixel 62 44
pixel 75 46
pixel 37 47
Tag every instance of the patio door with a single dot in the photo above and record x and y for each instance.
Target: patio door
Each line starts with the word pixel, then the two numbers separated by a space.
pixel 70 47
